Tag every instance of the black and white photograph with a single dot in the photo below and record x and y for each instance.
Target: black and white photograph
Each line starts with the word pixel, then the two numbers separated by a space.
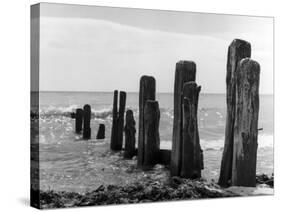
pixel 141 105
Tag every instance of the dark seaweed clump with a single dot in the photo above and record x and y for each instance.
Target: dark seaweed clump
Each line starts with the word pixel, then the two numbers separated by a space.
pixel 265 179
pixel 176 189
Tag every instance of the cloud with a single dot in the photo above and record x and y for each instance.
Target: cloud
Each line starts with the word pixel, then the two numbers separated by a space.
pixel 90 54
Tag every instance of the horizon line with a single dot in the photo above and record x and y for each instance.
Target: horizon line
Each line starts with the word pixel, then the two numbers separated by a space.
pixel 55 91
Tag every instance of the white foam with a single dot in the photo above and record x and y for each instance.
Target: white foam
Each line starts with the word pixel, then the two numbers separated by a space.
pixel 103 113
pixel 65 111
pixel 165 144
pixel 249 191
pixel 264 141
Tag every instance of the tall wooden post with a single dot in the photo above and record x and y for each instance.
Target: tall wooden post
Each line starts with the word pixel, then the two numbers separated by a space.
pixel 130 138
pixel 151 137
pixel 120 120
pixel 191 151
pixel 147 92
pixel 246 124
pixel 185 72
pixel 78 120
pixel 101 132
pixel 114 128
pixel 87 122
pixel 237 50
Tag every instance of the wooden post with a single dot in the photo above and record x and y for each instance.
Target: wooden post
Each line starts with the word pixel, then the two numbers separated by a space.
pixel 120 120
pixel 191 151
pixel 151 138
pixel 202 158
pixel 237 50
pixel 165 157
pixel 78 120
pixel 147 92
pixel 72 115
pixel 130 138
pixel 101 132
pixel 87 122
pixel 185 72
pixel 114 128
pixel 246 124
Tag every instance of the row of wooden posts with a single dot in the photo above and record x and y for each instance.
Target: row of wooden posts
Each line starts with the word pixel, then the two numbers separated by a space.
pixel 238 165
pixel 83 123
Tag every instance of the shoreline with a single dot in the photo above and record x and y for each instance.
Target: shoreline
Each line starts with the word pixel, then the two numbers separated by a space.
pixel 152 191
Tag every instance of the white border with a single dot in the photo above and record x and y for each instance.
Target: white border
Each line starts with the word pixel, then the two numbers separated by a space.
pixel 14 62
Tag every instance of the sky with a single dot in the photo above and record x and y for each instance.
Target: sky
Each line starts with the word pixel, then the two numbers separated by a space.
pixel 88 48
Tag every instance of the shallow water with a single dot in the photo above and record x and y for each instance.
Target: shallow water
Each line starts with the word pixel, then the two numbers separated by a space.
pixel 69 163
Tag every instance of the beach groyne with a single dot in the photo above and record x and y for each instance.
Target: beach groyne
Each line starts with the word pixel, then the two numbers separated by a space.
pixel 186 156
pixel 101 132
pixel 185 72
pixel 114 126
pixel 120 120
pixel 130 135
pixel 185 159
pixel 238 165
pixel 116 142
pixel 191 150
pixel 237 50
pixel 147 91
pixel 79 120
pixel 151 135
pixel 245 143
pixel 87 121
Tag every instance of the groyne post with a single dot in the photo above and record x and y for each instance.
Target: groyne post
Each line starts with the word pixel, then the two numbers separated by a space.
pixel 78 120
pixel 246 124
pixel 120 120
pixel 151 137
pixel 147 92
pixel 130 138
pixel 87 122
pixel 114 128
pixel 237 50
pixel 185 72
pixel 191 151
pixel 101 132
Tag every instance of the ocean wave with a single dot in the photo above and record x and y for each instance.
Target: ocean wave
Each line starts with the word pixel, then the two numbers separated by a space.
pixel 107 112
pixel 68 111
pixel 101 114
pixel 59 111
pixel 264 141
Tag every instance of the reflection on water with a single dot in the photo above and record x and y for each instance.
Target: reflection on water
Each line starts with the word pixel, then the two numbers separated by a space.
pixel 85 165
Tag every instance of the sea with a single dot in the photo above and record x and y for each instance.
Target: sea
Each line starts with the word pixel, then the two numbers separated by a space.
pixel 69 163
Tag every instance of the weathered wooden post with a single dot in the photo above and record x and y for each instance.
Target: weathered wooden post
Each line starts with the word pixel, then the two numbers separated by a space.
pixel 72 115
pixel 114 128
pixel 237 50
pixel 120 120
pixel 78 120
pixel 130 138
pixel 87 122
pixel 191 151
pixel 151 137
pixel 185 72
pixel 147 92
pixel 246 124
pixel 101 132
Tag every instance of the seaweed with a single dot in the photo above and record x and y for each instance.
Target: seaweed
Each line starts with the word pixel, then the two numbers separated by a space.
pixel 153 191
